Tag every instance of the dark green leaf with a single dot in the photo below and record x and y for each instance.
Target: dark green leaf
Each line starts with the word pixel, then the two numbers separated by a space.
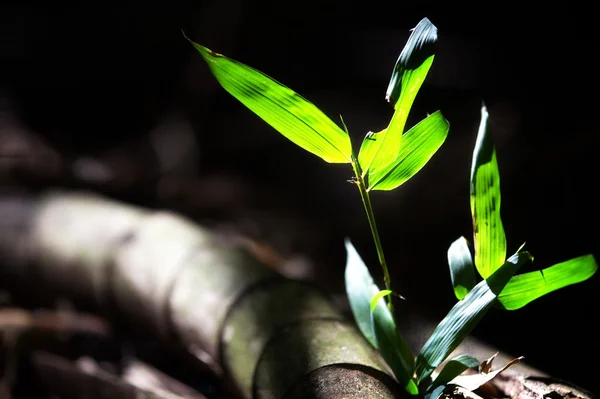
pixel 417 147
pixel 462 270
pixel 435 393
pixel 392 347
pixel 464 316
pixel 524 288
pixel 289 113
pixel 360 289
pixel 453 368
pixel 490 241
pixel 380 149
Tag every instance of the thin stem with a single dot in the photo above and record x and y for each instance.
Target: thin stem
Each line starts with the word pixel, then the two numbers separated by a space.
pixel 366 199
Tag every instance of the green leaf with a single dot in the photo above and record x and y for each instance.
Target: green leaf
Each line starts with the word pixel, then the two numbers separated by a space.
pixel 377 297
pixel 490 241
pixel 462 270
pixel 380 149
pixel 435 393
pixel 453 368
pixel 464 316
pixel 412 64
pixel 418 146
pixel 524 288
pixel 392 346
pixel 360 289
pixel 289 113
pixel 377 326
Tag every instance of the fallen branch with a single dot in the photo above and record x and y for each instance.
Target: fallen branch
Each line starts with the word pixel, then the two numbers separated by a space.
pixel 165 275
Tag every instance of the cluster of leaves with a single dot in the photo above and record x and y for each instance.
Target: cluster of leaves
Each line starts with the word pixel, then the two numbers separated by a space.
pixel 498 286
pixel 386 160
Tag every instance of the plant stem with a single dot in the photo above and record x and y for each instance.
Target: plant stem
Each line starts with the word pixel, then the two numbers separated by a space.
pixel 366 199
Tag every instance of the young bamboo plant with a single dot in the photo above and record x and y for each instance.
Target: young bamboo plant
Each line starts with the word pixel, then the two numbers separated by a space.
pixel 386 160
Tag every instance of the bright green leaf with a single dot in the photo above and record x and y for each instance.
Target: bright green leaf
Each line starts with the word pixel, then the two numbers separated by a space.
pixel 490 241
pixel 392 346
pixel 464 316
pixel 377 297
pixel 360 289
pixel 462 270
pixel 524 288
pixel 289 113
pixel 411 67
pixel 380 149
pixel 453 368
pixel 418 146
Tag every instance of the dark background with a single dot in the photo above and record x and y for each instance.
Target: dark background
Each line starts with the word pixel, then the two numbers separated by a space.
pixel 95 82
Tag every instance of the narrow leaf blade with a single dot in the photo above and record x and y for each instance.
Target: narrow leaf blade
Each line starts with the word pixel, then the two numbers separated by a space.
pixel 360 289
pixel 377 297
pixel 462 269
pixel 289 113
pixel 394 350
pixel 452 369
pixel 418 146
pixel 489 237
pixel 380 149
pixel 524 288
pixel 464 316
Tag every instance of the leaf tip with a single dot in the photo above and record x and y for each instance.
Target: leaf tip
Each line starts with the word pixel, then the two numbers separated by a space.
pixel 484 111
pixel 348 244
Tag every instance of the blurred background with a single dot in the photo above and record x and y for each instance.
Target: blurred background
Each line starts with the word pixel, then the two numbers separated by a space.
pixel 113 99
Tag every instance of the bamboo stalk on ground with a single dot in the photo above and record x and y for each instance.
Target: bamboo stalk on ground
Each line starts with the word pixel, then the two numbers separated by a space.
pixel 273 337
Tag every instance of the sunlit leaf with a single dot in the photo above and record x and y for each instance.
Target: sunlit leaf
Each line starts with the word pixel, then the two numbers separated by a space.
pixel 464 316
pixel 392 346
pixel 377 297
pixel 462 270
pixel 490 241
pixel 524 288
pixel 418 146
pixel 452 369
pixel 380 149
pixel 289 113
pixel 360 289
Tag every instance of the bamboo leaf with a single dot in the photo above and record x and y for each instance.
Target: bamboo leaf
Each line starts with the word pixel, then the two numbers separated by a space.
pixel 435 393
pixel 360 289
pixel 462 270
pixel 464 316
pixel 289 113
pixel 524 288
pixel 490 241
pixel 380 149
pixel 394 350
pixel 418 146
pixel 377 297
pixel 452 369
pixel 377 326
